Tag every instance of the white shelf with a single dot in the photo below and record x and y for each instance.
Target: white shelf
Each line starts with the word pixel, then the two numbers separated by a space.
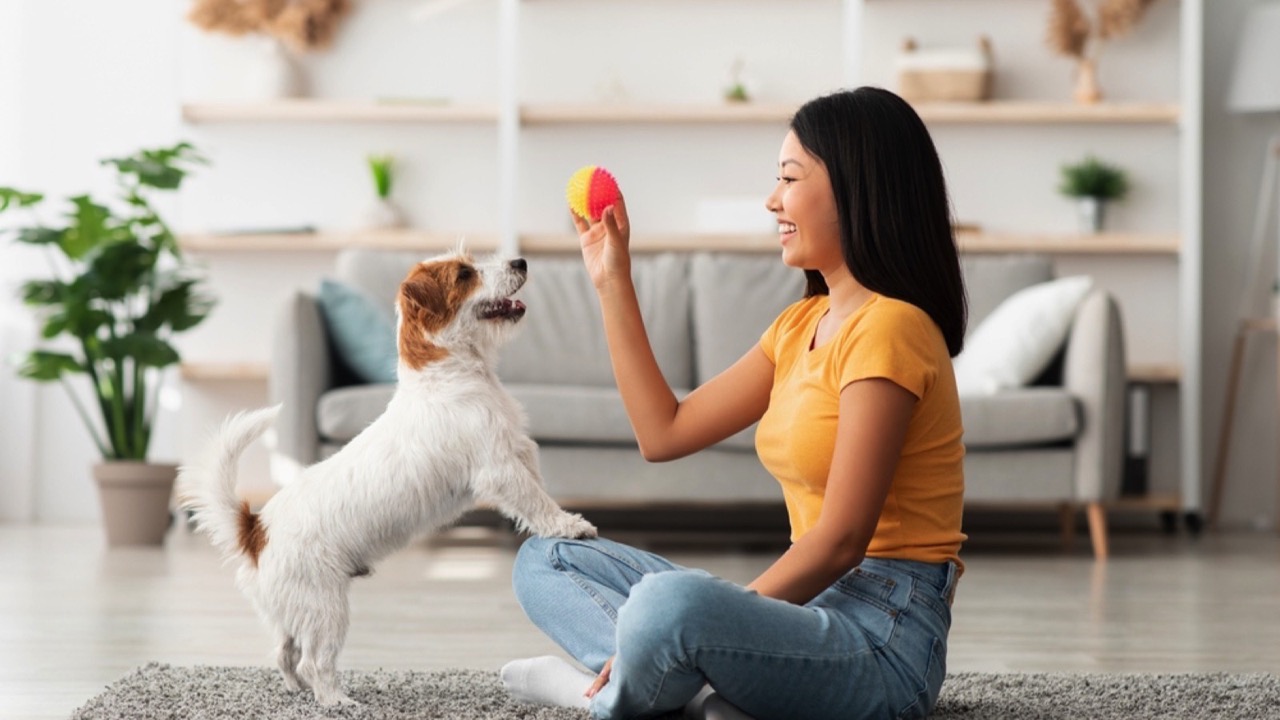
pixel 223 371
pixel 334 241
pixel 336 111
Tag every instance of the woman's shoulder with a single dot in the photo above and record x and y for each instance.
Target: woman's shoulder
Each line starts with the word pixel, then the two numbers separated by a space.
pixel 886 314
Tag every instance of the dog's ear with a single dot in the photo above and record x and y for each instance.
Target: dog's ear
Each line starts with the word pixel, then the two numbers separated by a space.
pixel 423 312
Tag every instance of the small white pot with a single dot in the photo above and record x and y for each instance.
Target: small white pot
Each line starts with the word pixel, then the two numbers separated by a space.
pixel 1090 213
pixel 382 214
pixel 275 74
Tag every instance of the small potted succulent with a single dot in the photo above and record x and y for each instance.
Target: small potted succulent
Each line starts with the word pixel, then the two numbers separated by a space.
pixel 383 214
pixel 117 294
pixel 1093 184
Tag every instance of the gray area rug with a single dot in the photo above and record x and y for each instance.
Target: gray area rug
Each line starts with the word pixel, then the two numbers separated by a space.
pixel 165 692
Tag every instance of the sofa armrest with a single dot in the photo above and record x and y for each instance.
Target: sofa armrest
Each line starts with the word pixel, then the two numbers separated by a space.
pixel 301 371
pixel 1094 373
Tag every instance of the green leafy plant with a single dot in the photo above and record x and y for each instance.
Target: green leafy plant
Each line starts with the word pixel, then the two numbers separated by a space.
pixel 1093 178
pixel 119 290
pixel 380 166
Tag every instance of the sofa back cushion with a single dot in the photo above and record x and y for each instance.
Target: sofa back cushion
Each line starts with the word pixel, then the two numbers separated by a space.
pixel 561 338
pixel 990 279
pixel 735 298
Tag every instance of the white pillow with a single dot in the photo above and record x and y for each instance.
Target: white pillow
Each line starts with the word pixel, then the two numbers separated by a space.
pixel 1017 341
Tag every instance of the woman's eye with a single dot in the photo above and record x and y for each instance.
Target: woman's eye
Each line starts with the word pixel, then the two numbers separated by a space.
pixel 786 180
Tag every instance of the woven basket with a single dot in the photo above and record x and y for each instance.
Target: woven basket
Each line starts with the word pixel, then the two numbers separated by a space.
pixel 922 80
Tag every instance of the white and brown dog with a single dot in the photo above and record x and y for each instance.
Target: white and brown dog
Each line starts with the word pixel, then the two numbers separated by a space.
pixel 450 438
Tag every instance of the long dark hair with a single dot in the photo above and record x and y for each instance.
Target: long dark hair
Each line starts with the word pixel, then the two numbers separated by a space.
pixel 895 217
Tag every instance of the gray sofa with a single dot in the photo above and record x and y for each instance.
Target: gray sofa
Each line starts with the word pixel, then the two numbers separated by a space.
pixel 1058 442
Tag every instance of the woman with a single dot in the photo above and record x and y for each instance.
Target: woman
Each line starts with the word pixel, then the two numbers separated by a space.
pixel 859 422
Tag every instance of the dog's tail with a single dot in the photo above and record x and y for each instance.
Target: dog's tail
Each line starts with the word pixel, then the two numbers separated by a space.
pixel 208 488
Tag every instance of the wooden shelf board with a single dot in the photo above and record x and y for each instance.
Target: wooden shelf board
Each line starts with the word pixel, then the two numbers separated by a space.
pixel 970 242
pixel 560 114
pixel 1155 373
pixel 335 111
pixel 1046 113
pixel 223 372
pixel 1069 244
pixel 333 241
pixel 659 243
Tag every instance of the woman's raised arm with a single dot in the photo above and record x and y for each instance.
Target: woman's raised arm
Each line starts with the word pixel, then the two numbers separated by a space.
pixel 666 428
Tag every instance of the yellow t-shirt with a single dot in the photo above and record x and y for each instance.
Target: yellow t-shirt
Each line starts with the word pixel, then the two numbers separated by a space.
pixel 885 338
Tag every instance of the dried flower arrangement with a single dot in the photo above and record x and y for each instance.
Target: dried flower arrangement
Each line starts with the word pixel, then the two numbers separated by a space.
pixel 1078 34
pixel 303 25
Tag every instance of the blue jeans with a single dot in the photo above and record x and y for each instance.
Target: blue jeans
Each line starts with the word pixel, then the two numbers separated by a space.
pixel 873 645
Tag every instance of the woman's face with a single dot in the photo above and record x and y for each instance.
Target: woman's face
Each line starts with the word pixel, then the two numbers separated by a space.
pixel 805 206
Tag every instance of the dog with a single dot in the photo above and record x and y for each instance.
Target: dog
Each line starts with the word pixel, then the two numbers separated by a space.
pixel 451 437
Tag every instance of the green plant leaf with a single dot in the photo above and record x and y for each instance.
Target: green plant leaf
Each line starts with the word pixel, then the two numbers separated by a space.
pixel 180 307
pixel 1093 178
pixel 159 168
pixel 88 228
pixel 40 236
pixel 144 347
pixel 9 196
pixel 44 292
pixel 44 366
pixel 120 269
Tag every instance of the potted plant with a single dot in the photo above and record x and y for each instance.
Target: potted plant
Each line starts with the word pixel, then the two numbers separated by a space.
pixel 118 292
pixel 1093 183
pixel 383 213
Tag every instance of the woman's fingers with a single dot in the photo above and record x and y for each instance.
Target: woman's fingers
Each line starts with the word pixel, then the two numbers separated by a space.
pixel 579 223
pixel 601 680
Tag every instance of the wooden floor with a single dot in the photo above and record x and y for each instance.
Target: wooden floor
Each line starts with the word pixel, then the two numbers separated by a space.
pixel 74 616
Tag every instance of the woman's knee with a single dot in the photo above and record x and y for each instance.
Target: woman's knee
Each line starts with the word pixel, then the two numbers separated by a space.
pixel 668 607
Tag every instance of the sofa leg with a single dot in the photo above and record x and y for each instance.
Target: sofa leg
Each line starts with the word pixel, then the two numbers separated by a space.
pixel 1097 529
pixel 1067 520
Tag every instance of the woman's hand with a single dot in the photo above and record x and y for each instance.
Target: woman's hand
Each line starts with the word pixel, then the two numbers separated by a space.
pixel 601 680
pixel 605 245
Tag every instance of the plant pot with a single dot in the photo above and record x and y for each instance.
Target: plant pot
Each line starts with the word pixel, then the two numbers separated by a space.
pixel 382 214
pixel 1090 212
pixel 135 500
pixel 274 75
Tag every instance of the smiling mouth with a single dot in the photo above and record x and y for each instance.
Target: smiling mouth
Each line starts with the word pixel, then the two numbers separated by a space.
pixel 503 309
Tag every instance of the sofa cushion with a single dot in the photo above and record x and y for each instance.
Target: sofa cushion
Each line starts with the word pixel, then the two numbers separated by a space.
pixel 1019 417
pixel 343 413
pixel 735 298
pixel 989 279
pixel 561 338
pixel 574 413
pixel 363 334
pixel 1015 343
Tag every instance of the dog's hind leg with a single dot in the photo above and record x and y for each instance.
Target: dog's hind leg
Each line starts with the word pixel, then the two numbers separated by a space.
pixel 322 631
pixel 287 656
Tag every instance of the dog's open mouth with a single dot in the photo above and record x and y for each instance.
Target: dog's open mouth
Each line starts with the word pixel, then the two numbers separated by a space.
pixel 502 309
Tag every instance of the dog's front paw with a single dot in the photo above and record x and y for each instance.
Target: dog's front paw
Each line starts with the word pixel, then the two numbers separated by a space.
pixel 571 525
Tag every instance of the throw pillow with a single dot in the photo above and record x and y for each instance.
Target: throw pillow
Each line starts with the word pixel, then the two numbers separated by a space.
pixel 1018 340
pixel 363 335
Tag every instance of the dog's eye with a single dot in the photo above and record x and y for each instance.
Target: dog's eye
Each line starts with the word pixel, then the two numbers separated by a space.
pixel 465 272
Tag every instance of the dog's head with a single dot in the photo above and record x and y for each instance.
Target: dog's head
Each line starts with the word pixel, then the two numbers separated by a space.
pixel 454 303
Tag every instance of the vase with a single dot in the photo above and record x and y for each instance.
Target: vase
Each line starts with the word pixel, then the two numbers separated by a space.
pixel 382 214
pixel 1087 91
pixel 274 74
pixel 1090 212
pixel 135 500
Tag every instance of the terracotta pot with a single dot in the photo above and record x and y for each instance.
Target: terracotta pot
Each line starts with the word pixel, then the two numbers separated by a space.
pixel 135 500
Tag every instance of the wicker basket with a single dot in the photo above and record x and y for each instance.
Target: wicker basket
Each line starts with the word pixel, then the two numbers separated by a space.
pixel 945 76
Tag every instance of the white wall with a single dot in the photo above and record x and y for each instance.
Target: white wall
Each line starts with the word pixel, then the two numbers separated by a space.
pixel 136 61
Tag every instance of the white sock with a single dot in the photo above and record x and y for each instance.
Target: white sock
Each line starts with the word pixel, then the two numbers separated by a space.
pixel 547 680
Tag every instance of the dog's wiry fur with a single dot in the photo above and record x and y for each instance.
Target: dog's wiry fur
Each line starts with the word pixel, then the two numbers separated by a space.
pixel 450 437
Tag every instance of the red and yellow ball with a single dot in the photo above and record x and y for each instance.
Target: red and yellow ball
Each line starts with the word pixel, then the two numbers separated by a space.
pixel 591 189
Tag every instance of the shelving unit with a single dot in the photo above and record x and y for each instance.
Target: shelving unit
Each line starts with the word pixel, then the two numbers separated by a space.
pixel 512 113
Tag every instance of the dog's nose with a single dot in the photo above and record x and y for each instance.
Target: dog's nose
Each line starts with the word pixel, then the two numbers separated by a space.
pixel 519 265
